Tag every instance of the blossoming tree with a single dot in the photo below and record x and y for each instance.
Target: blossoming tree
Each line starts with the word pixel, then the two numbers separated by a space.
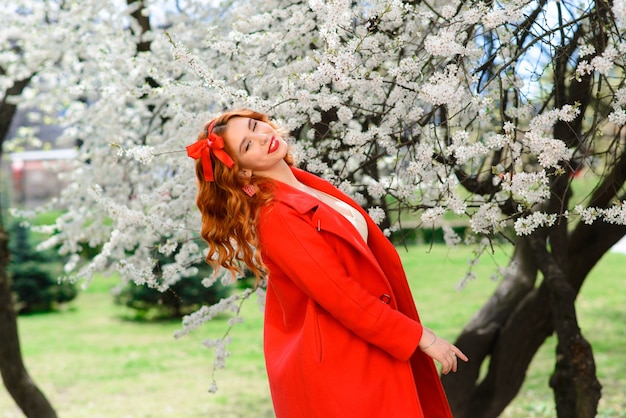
pixel 481 111
pixel 19 65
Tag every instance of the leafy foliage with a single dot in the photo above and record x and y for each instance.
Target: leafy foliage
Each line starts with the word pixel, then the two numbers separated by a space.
pixel 182 298
pixel 35 275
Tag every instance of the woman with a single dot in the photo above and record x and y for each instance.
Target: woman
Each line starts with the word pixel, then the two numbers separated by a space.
pixel 342 336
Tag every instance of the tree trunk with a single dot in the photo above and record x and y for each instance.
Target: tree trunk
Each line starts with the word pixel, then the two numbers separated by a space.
pixel 576 387
pixel 514 323
pixel 507 331
pixel 16 379
pixel 517 319
pixel 14 375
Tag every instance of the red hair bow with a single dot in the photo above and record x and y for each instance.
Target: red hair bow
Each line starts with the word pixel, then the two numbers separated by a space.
pixel 203 148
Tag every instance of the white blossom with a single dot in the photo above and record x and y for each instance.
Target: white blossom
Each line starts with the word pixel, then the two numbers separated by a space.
pixel 219 346
pixel 616 214
pixel 443 88
pixel 531 187
pixel 260 293
pixel 550 151
pixel 144 154
pixel 377 214
pixel 444 44
pixel 206 313
pixel 487 219
pixel 448 11
pixel 619 9
pixel 377 190
pixel 344 114
pixel 586 50
pixel 527 224
pixel 466 153
pixel 495 18
pixel 432 215
pixel 588 215
pixel 618 117
pixel 168 248
pixel 509 128
pixel 450 236
pixel 604 63
pixel 235 320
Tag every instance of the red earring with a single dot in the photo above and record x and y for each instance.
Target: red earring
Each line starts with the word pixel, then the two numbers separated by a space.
pixel 249 190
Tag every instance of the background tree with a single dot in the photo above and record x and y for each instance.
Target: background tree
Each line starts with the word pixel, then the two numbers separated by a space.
pixel 34 274
pixel 179 299
pixel 483 112
pixel 15 77
pixel 579 71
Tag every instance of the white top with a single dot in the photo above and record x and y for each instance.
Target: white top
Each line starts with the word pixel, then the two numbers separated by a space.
pixel 348 212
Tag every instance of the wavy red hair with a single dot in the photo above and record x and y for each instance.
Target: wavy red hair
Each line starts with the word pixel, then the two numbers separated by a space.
pixel 229 215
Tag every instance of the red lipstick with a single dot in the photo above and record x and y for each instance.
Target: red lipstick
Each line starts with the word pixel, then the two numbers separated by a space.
pixel 274 143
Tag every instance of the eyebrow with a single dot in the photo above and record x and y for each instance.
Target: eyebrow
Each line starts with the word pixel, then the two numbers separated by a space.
pixel 245 137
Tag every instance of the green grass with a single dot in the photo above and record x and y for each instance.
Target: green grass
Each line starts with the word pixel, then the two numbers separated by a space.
pixel 91 362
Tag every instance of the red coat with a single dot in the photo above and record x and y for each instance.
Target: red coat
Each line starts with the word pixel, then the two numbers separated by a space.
pixel 341 328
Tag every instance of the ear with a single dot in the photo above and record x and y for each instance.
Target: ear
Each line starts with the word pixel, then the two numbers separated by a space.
pixel 245 173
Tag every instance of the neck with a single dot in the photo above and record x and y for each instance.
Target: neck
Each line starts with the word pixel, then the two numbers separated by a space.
pixel 282 172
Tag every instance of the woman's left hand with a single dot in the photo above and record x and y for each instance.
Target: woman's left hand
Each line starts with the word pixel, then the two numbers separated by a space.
pixel 441 350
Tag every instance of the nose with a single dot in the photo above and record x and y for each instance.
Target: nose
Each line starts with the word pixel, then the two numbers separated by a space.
pixel 262 138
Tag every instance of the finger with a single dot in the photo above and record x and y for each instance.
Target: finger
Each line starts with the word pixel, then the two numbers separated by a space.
pixel 444 367
pixel 459 354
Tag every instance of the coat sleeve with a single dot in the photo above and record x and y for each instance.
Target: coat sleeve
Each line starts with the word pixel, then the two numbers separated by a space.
pixel 289 242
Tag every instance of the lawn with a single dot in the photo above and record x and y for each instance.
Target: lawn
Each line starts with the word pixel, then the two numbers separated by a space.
pixel 92 361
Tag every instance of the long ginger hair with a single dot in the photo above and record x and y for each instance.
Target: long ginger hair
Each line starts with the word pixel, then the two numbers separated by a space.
pixel 229 215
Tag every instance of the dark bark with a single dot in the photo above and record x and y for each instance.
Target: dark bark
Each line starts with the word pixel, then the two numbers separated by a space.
pixel 514 323
pixel 517 319
pixel 496 334
pixel 144 24
pixel 16 379
pixel 14 375
pixel 577 390
pixel 576 387
pixel 142 45
pixel 7 110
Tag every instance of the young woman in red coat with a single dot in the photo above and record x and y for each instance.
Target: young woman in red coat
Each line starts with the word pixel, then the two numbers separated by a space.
pixel 342 336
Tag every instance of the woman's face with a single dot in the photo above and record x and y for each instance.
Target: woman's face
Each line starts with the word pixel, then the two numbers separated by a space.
pixel 257 147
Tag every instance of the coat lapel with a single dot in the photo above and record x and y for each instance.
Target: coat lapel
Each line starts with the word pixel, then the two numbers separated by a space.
pixel 324 186
pixel 378 249
pixel 325 218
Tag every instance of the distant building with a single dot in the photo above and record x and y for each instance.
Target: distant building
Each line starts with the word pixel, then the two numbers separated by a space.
pixel 34 175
